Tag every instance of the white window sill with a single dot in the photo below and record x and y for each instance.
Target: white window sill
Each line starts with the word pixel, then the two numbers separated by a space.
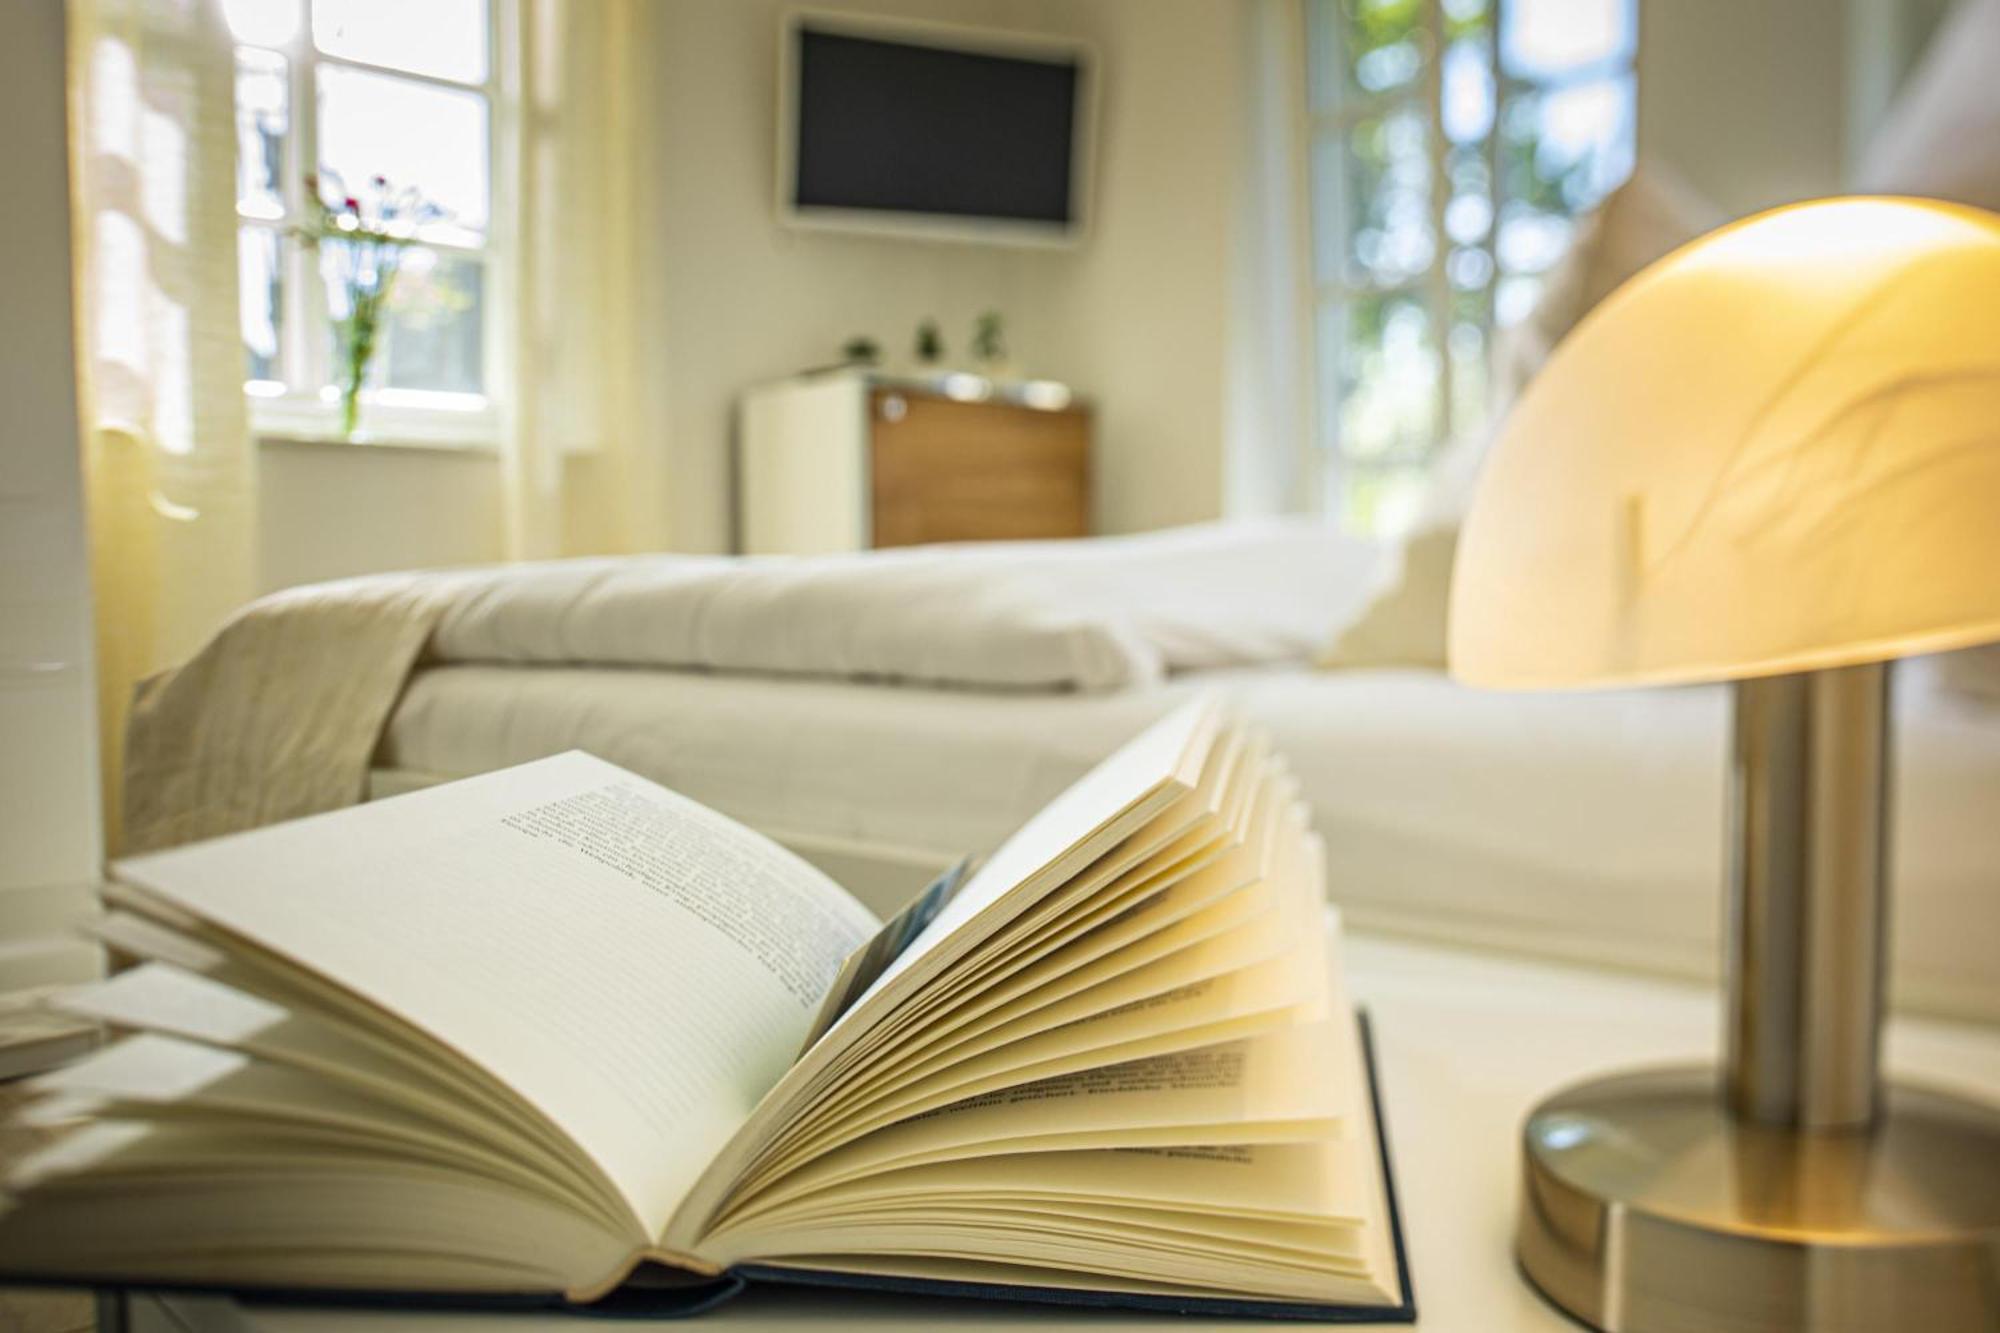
pixel 406 420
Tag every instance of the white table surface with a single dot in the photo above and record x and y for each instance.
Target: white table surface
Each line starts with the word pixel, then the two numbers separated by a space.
pixel 1467 1043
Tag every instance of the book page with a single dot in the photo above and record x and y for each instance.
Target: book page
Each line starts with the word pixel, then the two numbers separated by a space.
pixel 1119 798
pixel 1371 1291
pixel 1247 1165
pixel 1061 838
pixel 634 966
pixel 1313 1180
pixel 175 1203
pixel 164 1079
pixel 1300 1214
pixel 1226 1090
pixel 1262 918
pixel 1210 857
pixel 1250 1000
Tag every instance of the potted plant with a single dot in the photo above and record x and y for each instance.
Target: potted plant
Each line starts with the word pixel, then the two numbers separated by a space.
pixel 989 343
pixel 929 344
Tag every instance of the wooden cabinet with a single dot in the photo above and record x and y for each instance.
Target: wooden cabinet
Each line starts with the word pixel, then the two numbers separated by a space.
pixel 847 461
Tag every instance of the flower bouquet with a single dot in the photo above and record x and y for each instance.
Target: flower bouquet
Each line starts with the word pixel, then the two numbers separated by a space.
pixel 362 239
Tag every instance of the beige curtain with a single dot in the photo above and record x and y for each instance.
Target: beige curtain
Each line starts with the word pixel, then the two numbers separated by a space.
pixel 169 469
pixel 169 463
pixel 584 444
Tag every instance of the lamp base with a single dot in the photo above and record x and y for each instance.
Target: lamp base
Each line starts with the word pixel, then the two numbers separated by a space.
pixel 1648 1208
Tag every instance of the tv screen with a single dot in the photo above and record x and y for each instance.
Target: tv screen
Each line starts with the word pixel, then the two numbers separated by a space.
pixel 902 130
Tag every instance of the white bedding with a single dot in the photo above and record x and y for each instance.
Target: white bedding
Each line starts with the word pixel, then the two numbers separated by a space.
pixel 1585 825
pixel 275 716
pixel 1103 614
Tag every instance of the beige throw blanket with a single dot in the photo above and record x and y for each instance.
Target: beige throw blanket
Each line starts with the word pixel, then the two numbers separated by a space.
pixel 277 716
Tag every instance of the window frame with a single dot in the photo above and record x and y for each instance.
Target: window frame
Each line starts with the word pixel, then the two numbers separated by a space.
pixel 286 409
pixel 1331 467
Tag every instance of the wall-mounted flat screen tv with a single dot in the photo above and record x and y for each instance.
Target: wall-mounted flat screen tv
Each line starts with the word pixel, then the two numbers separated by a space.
pixel 919 128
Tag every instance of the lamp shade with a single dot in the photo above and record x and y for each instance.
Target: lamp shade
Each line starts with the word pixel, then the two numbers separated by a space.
pixel 1777 449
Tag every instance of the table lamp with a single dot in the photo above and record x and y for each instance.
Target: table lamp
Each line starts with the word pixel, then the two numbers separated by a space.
pixel 1772 458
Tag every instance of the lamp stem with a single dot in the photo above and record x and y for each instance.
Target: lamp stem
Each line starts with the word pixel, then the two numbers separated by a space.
pixel 1809 792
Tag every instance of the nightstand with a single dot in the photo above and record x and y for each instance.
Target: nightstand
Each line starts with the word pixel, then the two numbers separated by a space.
pixel 851 460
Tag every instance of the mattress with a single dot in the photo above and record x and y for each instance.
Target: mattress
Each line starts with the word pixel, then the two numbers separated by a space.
pixel 1586 826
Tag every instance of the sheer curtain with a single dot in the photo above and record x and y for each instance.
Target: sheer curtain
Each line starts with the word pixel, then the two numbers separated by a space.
pixel 1272 467
pixel 169 470
pixel 169 462
pixel 584 448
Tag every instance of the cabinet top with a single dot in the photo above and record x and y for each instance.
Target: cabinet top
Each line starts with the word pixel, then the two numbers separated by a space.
pixel 966 386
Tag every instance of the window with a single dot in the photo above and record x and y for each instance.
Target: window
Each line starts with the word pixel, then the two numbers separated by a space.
pixel 1453 144
pixel 352 90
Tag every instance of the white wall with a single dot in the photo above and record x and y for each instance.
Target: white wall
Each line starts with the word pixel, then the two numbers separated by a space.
pixel 1885 38
pixel 326 511
pixel 1766 103
pixel 1745 100
pixel 1141 315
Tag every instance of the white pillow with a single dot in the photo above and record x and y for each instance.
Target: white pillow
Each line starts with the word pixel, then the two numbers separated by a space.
pixel 1403 624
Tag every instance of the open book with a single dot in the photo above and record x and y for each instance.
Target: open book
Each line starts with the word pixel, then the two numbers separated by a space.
pixel 557 1033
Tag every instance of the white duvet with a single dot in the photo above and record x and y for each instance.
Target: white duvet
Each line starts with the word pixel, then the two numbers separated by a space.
pixel 1104 614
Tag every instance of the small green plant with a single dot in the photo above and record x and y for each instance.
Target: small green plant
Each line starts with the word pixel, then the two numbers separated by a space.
pixel 861 350
pixel 989 338
pixel 362 239
pixel 930 343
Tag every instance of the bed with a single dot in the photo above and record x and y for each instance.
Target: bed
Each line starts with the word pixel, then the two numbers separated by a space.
pixel 1584 826
pixel 884 715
